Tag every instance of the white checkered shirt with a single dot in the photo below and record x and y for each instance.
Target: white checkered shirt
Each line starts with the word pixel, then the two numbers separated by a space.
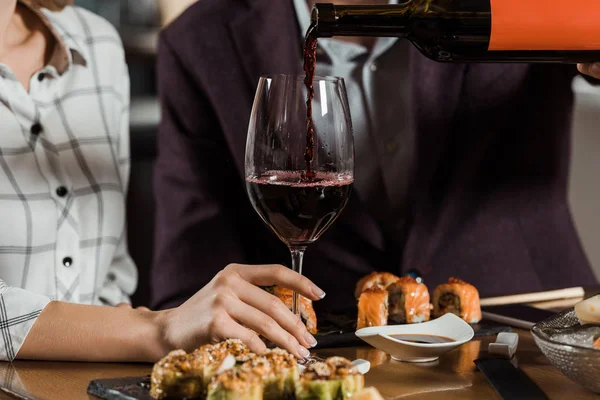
pixel 64 165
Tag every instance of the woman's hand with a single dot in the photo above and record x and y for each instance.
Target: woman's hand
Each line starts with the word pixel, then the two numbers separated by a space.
pixel 233 305
pixel 592 70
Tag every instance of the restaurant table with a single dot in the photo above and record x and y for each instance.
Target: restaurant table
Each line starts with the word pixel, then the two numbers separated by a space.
pixel 453 376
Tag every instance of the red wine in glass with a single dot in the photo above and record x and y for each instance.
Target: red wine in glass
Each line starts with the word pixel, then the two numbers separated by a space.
pixel 296 210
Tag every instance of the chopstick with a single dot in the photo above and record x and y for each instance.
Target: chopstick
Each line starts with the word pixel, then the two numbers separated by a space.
pixel 569 293
pixel 557 305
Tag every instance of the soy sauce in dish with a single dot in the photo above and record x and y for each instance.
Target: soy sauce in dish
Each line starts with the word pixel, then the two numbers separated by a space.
pixel 423 339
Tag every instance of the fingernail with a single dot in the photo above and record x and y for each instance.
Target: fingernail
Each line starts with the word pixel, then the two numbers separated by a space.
pixel 310 339
pixel 318 292
pixel 303 352
pixel 595 67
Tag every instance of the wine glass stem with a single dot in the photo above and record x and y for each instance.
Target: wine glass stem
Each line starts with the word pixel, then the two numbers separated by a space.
pixel 297 257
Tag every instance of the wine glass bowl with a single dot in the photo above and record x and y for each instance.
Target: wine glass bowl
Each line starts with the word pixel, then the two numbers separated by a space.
pixel 296 206
pixel 298 212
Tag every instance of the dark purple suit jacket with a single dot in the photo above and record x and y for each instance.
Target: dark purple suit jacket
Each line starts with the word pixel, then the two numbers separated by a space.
pixel 488 199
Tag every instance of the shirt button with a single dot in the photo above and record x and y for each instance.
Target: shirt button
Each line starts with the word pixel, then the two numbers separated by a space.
pixel 373 67
pixel 67 261
pixel 41 76
pixel 61 191
pixel 36 129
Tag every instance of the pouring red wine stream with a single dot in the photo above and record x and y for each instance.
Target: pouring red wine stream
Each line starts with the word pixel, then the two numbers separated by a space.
pixel 310 63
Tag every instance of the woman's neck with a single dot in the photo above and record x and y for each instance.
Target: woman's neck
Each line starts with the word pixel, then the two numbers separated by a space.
pixel 26 43
pixel 7 12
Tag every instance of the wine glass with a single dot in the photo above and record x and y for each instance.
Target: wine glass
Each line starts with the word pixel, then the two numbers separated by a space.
pixel 299 209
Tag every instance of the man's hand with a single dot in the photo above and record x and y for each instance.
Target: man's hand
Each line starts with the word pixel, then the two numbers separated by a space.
pixel 592 70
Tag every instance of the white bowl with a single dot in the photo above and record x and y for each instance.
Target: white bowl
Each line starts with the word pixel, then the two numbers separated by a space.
pixel 449 326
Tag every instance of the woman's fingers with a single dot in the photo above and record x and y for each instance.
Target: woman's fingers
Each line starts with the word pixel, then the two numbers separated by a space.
pixel 227 328
pixel 276 309
pixel 260 322
pixel 230 281
pixel 268 275
pixel 239 298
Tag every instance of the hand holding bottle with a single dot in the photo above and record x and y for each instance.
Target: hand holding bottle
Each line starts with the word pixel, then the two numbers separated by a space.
pixel 592 70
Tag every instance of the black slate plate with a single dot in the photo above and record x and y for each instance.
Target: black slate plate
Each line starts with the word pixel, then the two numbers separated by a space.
pixel 334 331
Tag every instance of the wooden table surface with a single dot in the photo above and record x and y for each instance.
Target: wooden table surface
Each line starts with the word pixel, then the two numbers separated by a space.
pixel 454 376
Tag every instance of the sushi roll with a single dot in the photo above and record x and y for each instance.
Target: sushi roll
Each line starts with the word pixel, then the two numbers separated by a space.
pixel 351 381
pixel 278 371
pixel 281 384
pixel 334 379
pixel 379 280
pixel 459 298
pixel 236 384
pixel 234 347
pixel 372 308
pixel 183 375
pixel 408 301
pixel 307 312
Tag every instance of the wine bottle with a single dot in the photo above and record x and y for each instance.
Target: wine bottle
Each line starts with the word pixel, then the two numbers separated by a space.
pixel 476 30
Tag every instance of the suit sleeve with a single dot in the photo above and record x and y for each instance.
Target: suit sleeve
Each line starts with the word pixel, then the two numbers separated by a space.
pixel 195 185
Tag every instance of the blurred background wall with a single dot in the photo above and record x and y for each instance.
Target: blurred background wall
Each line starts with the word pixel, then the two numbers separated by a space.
pixel 140 21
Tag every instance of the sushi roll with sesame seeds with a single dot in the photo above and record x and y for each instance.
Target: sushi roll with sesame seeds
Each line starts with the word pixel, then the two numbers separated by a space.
pixel 236 384
pixel 334 379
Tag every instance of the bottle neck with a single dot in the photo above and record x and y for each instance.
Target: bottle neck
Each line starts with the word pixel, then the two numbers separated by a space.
pixel 381 20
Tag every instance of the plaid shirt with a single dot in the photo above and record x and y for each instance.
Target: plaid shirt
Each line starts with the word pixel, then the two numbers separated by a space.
pixel 64 165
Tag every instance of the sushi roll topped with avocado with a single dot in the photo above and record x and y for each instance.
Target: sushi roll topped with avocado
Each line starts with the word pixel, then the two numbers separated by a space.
pixel 236 384
pixel 284 377
pixel 183 375
pixel 334 379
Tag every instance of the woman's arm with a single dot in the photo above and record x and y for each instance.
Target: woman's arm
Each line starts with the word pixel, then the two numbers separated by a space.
pixel 230 306
pixel 73 332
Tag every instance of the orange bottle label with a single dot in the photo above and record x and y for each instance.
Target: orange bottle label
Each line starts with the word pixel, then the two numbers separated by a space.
pixel 545 25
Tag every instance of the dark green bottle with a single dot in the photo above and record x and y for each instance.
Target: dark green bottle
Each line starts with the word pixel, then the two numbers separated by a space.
pixel 476 30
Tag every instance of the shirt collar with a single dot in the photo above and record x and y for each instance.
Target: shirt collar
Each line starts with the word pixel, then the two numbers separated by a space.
pixel 67 51
pixel 328 46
